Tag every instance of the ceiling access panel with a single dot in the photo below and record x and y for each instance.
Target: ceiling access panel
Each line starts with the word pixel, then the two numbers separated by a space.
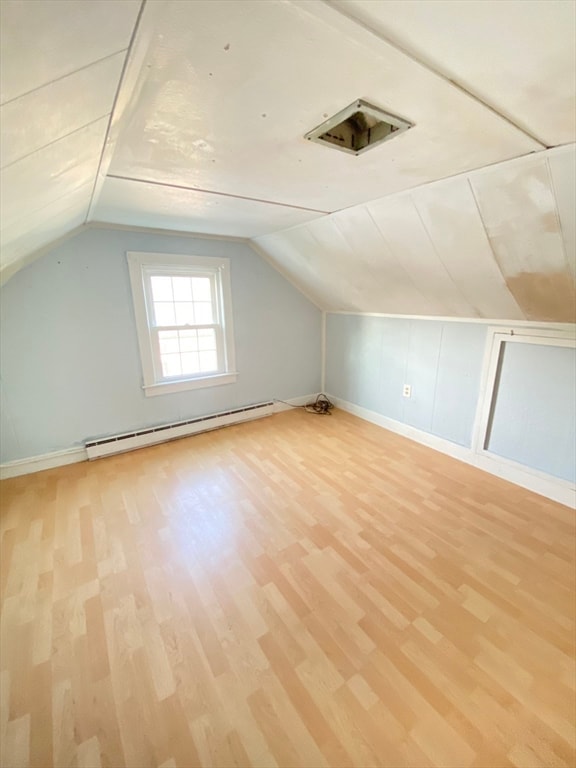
pixel 518 208
pixel 229 90
pixel 518 56
pixel 358 128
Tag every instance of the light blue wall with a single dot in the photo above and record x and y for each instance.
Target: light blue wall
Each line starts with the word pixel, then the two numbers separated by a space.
pixel 369 359
pixel 70 366
pixel 534 413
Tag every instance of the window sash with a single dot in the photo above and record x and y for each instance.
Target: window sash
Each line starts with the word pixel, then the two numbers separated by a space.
pixel 156 328
pixel 144 266
pixel 215 298
pixel 157 355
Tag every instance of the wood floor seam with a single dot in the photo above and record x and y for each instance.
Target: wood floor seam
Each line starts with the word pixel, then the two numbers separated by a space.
pixel 293 592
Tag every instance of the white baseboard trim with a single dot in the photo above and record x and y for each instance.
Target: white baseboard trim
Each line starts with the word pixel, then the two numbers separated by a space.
pixel 545 485
pixel 74 455
pixel 39 463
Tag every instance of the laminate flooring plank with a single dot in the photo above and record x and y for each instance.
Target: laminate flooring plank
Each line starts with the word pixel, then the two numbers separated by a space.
pixel 293 592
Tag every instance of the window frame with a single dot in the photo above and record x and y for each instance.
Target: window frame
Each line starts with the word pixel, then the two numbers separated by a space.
pixel 142 266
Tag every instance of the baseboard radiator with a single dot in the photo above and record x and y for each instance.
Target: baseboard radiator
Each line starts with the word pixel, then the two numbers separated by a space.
pixel 129 441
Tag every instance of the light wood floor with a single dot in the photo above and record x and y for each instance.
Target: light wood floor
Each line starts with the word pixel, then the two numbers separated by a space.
pixel 297 591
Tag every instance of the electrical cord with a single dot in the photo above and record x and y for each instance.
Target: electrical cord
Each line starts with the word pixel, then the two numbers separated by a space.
pixel 321 406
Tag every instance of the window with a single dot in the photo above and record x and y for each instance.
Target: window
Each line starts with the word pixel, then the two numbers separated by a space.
pixel 184 321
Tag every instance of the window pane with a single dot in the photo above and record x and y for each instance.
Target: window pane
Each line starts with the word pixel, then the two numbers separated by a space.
pixel 190 362
pixel 208 361
pixel 168 341
pixel 164 313
pixel 182 288
pixel 161 288
pixel 207 339
pixel 174 298
pixel 184 313
pixel 201 289
pixel 171 365
pixel 203 312
pixel 188 341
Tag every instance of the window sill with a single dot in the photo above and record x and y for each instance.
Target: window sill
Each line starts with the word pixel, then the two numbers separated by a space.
pixel 169 387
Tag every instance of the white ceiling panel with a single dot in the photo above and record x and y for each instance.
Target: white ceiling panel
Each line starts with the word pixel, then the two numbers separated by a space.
pixel 43 40
pixel 518 208
pixel 344 262
pixel 351 280
pixel 230 88
pixel 517 55
pixel 50 113
pixel 387 276
pixel 562 164
pixel 150 205
pixel 402 228
pixel 297 255
pixel 207 132
pixel 486 244
pixel 51 173
pixel 22 238
pixel 450 215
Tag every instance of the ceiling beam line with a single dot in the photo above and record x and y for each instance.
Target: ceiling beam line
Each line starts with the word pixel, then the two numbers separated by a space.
pixel 436 71
pixel 97 186
pixel 54 141
pixel 213 192
pixel 63 77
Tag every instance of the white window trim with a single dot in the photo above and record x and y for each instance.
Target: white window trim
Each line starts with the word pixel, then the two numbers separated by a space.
pixel 138 262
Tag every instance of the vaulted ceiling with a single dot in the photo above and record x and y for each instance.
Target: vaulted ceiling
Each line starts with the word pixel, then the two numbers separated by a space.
pixel 190 116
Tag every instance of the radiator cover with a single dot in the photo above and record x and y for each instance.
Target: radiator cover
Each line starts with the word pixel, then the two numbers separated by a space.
pixel 129 441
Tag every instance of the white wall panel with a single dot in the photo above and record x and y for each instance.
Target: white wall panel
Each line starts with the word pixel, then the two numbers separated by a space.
pixel 402 228
pixel 296 253
pixel 386 276
pixel 518 209
pixel 50 113
pixel 450 216
pixel 493 243
pixel 51 173
pixel 23 237
pixel 348 276
pixel 562 164
pixel 41 41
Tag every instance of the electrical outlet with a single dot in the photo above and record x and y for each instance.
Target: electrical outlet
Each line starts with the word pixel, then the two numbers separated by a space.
pixel 407 391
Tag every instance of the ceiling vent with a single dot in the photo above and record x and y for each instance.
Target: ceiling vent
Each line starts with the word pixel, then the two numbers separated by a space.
pixel 358 128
